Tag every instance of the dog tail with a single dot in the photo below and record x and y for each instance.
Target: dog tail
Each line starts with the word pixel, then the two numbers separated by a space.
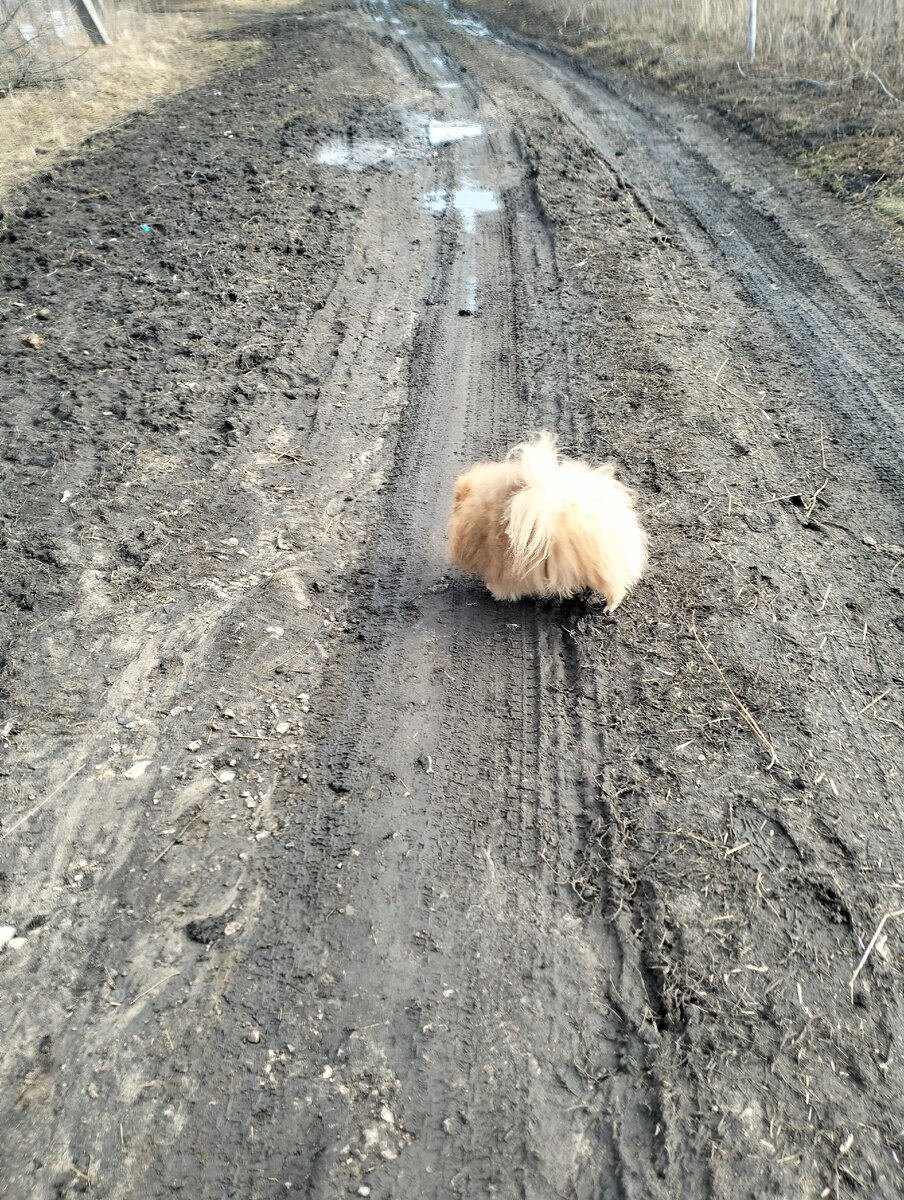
pixel 576 521
pixel 534 512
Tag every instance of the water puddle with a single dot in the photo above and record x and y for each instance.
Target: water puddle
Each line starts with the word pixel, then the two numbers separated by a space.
pixel 468 25
pixel 469 303
pixel 440 133
pixel 353 155
pixel 435 202
pixel 417 132
pixel 469 201
pixel 447 86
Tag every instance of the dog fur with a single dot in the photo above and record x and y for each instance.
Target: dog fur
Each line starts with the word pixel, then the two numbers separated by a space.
pixel 540 524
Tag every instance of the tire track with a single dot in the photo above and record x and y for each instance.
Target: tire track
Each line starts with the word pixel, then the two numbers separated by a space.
pixel 848 339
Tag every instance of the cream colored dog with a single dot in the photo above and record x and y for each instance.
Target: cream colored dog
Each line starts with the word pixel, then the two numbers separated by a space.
pixel 540 524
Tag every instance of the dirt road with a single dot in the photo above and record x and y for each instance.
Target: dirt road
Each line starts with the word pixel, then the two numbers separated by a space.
pixel 328 875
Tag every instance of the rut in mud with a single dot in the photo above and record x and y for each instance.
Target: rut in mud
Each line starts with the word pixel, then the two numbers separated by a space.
pixel 327 872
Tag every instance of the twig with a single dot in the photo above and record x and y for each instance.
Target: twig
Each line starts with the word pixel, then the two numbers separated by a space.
pixel 178 836
pixel 884 88
pixel 808 512
pixel 165 979
pixel 295 655
pixel 867 707
pixel 741 706
pixel 872 945
pixel 888 721
pixel 37 807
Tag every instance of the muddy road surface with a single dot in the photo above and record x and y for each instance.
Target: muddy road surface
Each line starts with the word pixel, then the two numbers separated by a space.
pixel 321 874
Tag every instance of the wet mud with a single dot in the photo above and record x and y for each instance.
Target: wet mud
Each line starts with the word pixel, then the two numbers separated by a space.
pixel 323 874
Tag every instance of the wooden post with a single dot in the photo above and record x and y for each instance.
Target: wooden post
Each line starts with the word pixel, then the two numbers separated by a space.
pixel 751 31
pixel 90 18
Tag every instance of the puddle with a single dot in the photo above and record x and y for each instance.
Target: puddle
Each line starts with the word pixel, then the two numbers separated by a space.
pixel 467 25
pixel 469 201
pixel 435 202
pixel 355 156
pixel 440 133
pixel 469 303
pixel 417 132
pixel 448 86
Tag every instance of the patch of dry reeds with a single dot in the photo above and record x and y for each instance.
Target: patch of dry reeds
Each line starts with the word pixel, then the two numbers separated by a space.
pixel 822 39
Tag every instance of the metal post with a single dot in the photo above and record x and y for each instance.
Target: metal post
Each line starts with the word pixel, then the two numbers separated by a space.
pixel 90 18
pixel 751 31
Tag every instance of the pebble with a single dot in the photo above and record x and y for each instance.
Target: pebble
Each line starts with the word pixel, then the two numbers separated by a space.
pixel 7 933
pixel 137 769
pixel 225 776
pixel 193 746
pixel 254 1037
pixel 16 943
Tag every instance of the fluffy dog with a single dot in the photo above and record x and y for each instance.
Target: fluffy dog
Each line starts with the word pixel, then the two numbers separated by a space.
pixel 540 524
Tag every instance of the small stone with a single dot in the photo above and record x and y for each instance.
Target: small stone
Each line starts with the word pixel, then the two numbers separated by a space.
pixel 193 746
pixel 386 1115
pixel 137 769
pixel 283 727
pixel 16 943
pixel 253 1037
pixel 7 933
pixel 363 1190
pixel 225 776
pixel 34 340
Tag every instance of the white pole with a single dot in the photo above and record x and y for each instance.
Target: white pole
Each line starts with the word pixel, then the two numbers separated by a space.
pixel 751 31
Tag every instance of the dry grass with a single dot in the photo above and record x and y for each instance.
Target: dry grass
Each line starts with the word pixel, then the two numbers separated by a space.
pixel 151 56
pixel 892 204
pixel 825 39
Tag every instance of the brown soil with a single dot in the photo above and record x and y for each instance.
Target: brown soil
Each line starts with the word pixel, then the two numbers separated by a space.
pixel 329 875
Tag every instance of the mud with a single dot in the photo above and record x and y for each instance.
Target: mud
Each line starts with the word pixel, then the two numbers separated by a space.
pixel 329 875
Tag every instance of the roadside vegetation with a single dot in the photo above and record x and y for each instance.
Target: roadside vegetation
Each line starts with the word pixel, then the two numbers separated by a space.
pixel 826 84
pixel 56 91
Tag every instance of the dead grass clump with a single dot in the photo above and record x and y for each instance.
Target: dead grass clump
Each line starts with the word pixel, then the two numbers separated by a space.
pixel 891 204
pixel 794 37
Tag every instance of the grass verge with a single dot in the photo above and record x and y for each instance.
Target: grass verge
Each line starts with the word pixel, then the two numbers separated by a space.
pixel 152 55
pixel 846 132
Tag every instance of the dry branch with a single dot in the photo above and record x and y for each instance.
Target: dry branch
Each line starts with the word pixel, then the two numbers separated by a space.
pixel 739 703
